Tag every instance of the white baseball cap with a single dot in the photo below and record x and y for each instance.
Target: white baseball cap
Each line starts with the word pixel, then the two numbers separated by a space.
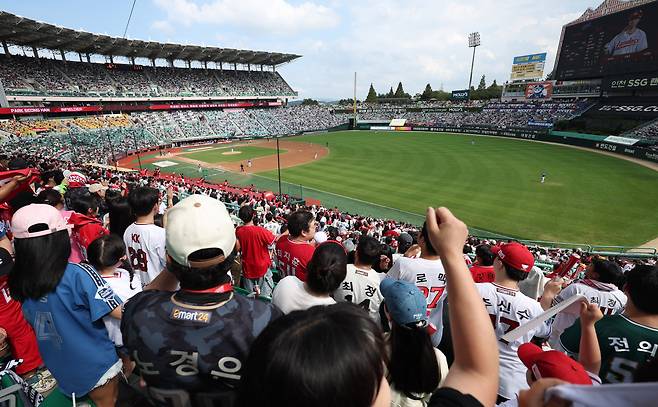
pixel 195 223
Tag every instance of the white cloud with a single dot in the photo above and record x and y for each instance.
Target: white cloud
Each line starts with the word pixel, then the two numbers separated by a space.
pixel 275 16
pixel 385 41
pixel 163 26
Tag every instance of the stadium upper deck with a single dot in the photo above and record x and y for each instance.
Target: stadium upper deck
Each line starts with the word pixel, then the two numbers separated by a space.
pixel 250 74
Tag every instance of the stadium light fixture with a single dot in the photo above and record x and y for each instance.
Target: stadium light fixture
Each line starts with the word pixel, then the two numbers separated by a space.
pixel 473 42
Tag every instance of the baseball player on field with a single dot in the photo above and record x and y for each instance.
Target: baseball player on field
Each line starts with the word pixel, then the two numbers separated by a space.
pixel 508 309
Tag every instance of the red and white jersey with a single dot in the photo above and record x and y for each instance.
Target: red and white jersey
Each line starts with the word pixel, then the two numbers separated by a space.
pixel 608 297
pixel 361 287
pixel 292 257
pixel 430 277
pixel 146 250
pixel 509 309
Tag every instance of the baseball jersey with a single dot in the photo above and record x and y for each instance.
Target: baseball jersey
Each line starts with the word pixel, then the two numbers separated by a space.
pixel 68 323
pixel 254 244
pixel 361 287
pixel 146 250
pixel 625 43
pixel 508 309
pixel 291 295
pixel 608 297
pixel 624 344
pixel 85 230
pixel 292 257
pixel 120 283
pixel 195 348
pixel 430 277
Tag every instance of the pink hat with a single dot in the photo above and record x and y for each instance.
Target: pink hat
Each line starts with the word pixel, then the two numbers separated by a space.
pixel 42 219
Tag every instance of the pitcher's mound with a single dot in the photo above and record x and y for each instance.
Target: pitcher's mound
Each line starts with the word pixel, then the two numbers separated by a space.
pixel 231 152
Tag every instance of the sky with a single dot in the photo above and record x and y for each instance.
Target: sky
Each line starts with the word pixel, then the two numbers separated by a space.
pixel 384 41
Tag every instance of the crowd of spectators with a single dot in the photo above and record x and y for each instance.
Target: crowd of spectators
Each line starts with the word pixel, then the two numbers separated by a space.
pixel 139 275
pixel 648 131
pixel 43 76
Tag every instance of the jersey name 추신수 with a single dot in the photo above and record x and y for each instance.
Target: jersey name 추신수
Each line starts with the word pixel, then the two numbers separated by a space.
pixel 509 309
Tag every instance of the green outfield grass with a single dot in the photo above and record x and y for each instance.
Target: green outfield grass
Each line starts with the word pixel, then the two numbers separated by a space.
pixel 215 156
pixel 492 184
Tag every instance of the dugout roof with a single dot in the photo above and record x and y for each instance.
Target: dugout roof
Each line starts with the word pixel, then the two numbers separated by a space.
pixel 17 30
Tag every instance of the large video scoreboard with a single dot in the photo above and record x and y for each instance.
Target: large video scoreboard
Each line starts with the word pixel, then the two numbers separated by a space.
pixel 624 42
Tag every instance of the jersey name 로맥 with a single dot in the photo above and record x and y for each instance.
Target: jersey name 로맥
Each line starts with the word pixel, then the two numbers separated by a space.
pixel 430 277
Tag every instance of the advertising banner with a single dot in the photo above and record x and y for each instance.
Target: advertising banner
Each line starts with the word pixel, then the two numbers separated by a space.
pixel 110 108
pixel 460 94
pixel 539 90
pixel 528 67
pixel 631 82
pixel 628 109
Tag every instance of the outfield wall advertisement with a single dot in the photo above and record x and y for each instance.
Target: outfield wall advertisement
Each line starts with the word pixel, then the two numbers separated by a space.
pixel 545 135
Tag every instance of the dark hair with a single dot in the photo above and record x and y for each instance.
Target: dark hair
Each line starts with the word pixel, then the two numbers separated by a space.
pixel 298 222
pixel 413 367
pixel 609 272
pixel 515 274
pixel 106 251
pixel 327 268
pixel 320 357
pixel 83 203
pixel 120 214
pixel 40 264
pixel 368 250
pixel 246 213
pixel 50 197
pixel 158 220
pixel 269 216
pixel 483 251
pixel 641 286
pixel 202 278
pixel 143 199
pixel 428 243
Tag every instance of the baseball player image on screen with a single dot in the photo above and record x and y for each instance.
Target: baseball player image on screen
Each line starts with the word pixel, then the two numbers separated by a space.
pixel 630 40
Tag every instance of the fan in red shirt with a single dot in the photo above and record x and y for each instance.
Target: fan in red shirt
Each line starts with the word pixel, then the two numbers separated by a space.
pixel 293 252
pixel 482 270
pixel 86 226
pixel 254 242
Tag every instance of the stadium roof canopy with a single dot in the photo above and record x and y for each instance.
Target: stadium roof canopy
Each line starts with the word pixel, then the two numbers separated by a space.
pixel 21 31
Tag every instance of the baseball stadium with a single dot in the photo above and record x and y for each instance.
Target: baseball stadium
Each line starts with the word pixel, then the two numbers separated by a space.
pixel 161 145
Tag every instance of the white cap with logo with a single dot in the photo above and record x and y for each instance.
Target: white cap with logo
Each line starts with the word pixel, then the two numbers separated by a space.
pixel 195 223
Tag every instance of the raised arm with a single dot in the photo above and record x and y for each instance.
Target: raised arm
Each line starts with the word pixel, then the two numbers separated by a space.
pixel 475 369
pixel 590 352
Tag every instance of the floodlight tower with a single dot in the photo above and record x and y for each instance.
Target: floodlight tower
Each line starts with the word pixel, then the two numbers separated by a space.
pixel 473 42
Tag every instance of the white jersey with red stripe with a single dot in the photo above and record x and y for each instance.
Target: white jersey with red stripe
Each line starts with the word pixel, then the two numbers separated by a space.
pixel 145 245
pixel 430 277
pixel 508 309
pixel 608 297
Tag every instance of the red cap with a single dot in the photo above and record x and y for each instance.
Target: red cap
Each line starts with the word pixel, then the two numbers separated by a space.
pixel 552 364
pixel 515 255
